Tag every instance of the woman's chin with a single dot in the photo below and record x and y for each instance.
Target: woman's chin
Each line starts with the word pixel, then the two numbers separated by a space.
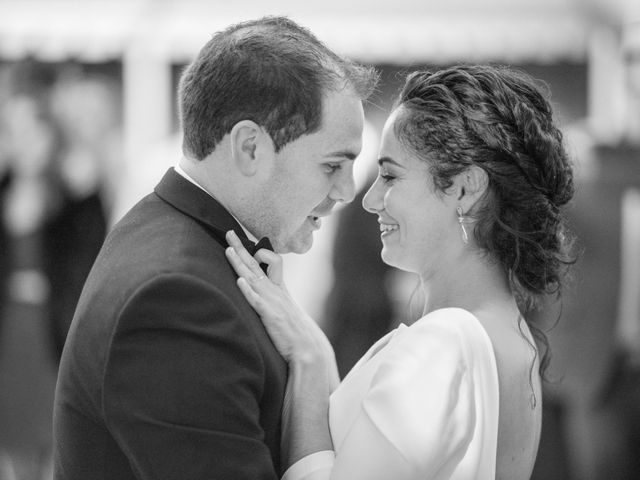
pixel 394 259
pixel 389 257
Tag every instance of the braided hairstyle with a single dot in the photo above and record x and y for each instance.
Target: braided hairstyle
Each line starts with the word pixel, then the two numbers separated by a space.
pixel 498 119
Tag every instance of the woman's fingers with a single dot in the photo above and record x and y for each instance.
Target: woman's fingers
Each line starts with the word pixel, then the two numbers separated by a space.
pixel 273 262
pixel 249 286
pixel 251 269
pixel 238 265
pixel 252 297
pixel 250 263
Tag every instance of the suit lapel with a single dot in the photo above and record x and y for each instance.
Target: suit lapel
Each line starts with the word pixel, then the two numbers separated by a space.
pixel 198 204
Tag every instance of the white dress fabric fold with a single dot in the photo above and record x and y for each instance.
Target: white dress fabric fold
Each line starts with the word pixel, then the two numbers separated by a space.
pixel 421 404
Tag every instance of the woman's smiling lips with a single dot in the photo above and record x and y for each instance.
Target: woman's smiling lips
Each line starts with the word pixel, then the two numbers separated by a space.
pixel 387 228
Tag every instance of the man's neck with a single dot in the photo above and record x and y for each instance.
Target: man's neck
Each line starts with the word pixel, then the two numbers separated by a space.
pixel 181 171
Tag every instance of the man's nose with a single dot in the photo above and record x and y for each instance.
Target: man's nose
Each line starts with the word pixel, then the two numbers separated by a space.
pixel 344 189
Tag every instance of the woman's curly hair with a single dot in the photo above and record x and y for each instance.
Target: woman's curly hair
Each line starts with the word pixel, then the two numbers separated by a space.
pixel 500 120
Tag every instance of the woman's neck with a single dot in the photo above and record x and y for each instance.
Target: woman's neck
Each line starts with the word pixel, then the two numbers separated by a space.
pixel 469 283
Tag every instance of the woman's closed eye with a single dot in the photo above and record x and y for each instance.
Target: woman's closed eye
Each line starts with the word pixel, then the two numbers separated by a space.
pixel 387 178
pixel 389 170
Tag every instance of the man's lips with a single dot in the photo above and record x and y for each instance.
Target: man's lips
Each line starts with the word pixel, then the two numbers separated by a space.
pixel 315 221
pixel 320 213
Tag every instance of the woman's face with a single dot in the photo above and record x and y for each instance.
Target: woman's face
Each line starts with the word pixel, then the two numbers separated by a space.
pixel 418 224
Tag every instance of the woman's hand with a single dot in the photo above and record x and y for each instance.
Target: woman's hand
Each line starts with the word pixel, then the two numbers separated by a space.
pixel 313 374
pixel 294 333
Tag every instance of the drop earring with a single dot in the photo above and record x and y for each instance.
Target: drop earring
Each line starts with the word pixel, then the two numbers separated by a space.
pixel 461 220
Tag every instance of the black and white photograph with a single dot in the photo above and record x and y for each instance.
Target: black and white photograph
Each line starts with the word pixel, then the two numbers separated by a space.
pixel 319 240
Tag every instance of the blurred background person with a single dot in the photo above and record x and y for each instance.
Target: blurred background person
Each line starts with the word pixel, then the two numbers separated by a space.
pixel 29 198
pixel 87 114
pixel 358 272
pixel 60 139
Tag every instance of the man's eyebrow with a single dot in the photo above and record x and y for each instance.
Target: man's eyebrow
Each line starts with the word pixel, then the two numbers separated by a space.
pixel 346 154
pixel 383 160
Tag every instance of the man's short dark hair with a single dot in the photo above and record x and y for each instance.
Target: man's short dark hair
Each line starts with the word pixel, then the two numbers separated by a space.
pixel 271 71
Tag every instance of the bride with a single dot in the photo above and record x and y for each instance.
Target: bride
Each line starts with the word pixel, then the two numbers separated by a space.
pixel 472 175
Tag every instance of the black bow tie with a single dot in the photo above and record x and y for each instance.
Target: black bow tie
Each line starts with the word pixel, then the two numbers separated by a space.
pixel 262 243
pixel 253 249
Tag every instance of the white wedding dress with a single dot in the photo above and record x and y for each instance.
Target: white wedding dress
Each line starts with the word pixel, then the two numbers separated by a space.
pixel 422 404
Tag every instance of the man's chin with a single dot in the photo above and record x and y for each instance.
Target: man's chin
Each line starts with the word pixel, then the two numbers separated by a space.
pixel 297 245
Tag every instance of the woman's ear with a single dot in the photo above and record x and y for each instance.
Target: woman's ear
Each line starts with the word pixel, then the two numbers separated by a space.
pixel 471 185
pixel 246 137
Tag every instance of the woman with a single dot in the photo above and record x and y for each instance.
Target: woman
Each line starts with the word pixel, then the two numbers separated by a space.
pixel 472 174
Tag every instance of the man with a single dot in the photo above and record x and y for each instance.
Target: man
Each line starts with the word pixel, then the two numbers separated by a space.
pixel 167 371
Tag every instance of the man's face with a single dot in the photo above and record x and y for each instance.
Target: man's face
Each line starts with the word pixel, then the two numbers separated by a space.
pixel 311 174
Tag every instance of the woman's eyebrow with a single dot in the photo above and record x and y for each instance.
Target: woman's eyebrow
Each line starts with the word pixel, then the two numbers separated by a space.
pixel 383 160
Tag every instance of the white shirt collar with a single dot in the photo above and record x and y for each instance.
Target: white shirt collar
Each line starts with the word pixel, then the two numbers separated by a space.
pixel 180 171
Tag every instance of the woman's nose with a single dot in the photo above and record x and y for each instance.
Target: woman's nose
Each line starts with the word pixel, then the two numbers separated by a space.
pixel 372 200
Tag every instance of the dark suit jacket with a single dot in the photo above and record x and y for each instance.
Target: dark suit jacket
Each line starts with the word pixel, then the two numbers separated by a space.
pixel 168 372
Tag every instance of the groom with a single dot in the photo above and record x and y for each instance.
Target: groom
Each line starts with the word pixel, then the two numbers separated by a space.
pixel 167 371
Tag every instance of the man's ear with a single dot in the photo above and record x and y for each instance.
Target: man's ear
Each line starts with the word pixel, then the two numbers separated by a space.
pixel 246 137
pixel 470 186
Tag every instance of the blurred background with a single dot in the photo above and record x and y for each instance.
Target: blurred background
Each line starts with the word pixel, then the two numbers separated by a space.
pixel 88 126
